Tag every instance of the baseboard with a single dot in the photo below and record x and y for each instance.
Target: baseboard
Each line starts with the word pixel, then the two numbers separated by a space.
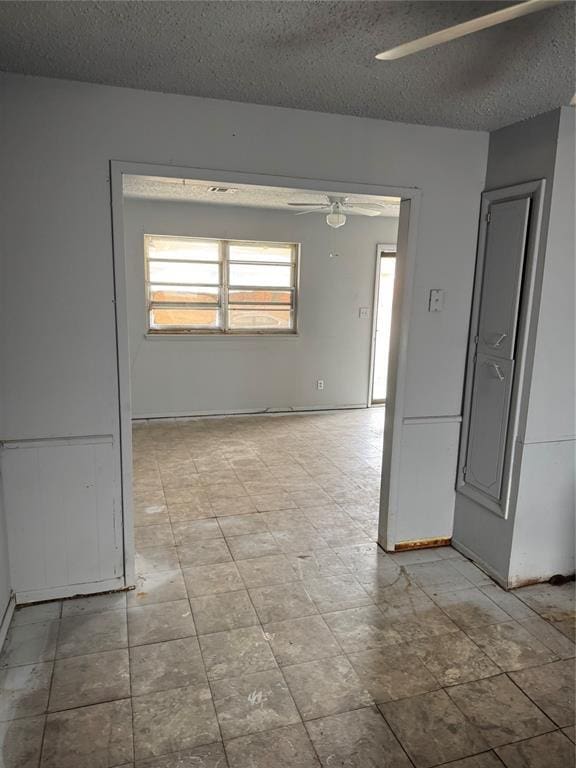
pixel 403 546
pixel 248 412
pixel 70 590
pixel 498 578
pixel 6 619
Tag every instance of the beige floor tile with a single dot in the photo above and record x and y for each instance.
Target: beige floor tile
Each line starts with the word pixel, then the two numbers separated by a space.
pixel 511 646
pixel 326 687
pixel 220 612
pixel 160 587
pixel 174 720
pixel 156 560
pixel 253 545
pixel 24 690
pixel 91 633
pixel 288 747
pixel 392 672
pixel 551 687
pixel 552 750
pixel 295 641
pixel 99 736
pixel 266 571
pixel 212 579
pixel 470 608
pixel 454 659
pixel 253 703
pixel 37 614
pixel 153 536
pixel 335 593
pixel 204 552
pixel 115 601
pixel 242 505
pixel 500 710
pixel 211 756
pixel 159 622
pixel 190 531
pixel 362 629
pixel 241 525
pixel 236 652
pixel 82 680
pixel 356 740
pixel 283 601
pixel 21 742
pixel 167 665
pixel 443 733
pixel 555 603
pixel 29 644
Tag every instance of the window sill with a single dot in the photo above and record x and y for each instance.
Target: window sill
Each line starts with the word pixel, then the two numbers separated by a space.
pixel 217 336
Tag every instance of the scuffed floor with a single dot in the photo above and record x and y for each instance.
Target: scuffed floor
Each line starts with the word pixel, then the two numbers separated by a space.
pixel 267 630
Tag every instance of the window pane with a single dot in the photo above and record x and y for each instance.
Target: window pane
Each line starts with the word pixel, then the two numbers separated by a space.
pixel 176 248
pixel 259 317
pixel 183 318
pixel 184 294
pixel 256 252
pixel 239 296
pixel 192 274
pixel 249 274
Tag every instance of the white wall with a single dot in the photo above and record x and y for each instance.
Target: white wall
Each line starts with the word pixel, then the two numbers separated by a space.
pixel 57 139
pixel 190 375
pixel 537 538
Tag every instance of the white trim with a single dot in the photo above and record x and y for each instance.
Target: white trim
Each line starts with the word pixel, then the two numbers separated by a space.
pixel 409 209
pixel 455 419
pixel 381 249
pixel 70 590
pixel 279 411
pixel 406 251
pixel 6 619
pixel 221 336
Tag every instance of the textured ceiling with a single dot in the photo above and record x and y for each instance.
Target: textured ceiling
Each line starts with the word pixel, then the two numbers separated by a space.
pixel 239 195
pixel 308 54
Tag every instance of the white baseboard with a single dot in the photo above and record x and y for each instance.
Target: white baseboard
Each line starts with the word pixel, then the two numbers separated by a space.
pixel 498 578
pixel 248 412
pixel 6 619
pixel 70 590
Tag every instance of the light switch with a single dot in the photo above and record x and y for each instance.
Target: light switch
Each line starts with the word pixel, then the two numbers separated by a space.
pixel 364 313
pixel 436 300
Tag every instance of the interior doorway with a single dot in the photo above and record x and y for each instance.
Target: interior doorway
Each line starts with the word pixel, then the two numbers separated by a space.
pixel 383 298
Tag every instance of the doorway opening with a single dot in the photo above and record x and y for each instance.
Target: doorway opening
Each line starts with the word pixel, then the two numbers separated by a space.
pixel 382 322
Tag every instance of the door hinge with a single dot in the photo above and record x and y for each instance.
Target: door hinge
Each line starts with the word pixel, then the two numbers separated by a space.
pixel 476 340
pixel 488 217
pixel 464 471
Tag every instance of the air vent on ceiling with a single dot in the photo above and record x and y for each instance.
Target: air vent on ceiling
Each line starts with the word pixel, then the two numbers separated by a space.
pixel 223 190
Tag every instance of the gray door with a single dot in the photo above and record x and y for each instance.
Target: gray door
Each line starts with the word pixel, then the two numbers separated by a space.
pixel 502 279
pixel 500 290
pixel 491 395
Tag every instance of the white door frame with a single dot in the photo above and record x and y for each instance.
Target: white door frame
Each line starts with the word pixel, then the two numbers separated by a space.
pixel 401 312
pixel 381 249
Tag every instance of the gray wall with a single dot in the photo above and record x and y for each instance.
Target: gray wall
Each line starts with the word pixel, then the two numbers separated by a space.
pixel 57 139
pixel 202 374
pixel 536 540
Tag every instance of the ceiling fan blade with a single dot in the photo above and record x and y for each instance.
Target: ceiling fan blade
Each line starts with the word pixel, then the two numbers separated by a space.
pixel 466 28
pixel 310 205
pixel 314 210
pixel 354 210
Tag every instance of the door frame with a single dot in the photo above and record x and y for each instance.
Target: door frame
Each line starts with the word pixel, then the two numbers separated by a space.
pixel 381 249
pixel 406 251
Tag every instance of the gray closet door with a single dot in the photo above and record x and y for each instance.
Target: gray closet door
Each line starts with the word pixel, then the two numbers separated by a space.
pixel 502 279
pixel 500 290
pixel 491 395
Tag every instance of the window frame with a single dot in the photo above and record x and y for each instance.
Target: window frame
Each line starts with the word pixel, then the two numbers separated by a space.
pixel 224 287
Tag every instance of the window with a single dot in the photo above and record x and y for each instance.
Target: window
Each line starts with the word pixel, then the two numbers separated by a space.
pixel 220 286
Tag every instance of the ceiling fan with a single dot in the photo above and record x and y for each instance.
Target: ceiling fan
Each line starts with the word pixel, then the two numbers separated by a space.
pixel 337 208
pixel 467 28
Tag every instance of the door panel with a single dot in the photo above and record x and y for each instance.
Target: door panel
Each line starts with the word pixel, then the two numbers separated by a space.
pixel 490 409
pixel 502 277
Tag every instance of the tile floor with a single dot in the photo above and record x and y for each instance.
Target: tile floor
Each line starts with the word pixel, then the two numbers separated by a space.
pixel 268 631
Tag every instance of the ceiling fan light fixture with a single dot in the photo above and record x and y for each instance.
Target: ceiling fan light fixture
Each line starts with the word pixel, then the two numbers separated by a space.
pixel 336 219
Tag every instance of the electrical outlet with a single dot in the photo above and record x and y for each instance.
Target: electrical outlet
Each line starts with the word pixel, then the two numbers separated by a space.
pixel 320 384
pixel 364 313
pixel 436 300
